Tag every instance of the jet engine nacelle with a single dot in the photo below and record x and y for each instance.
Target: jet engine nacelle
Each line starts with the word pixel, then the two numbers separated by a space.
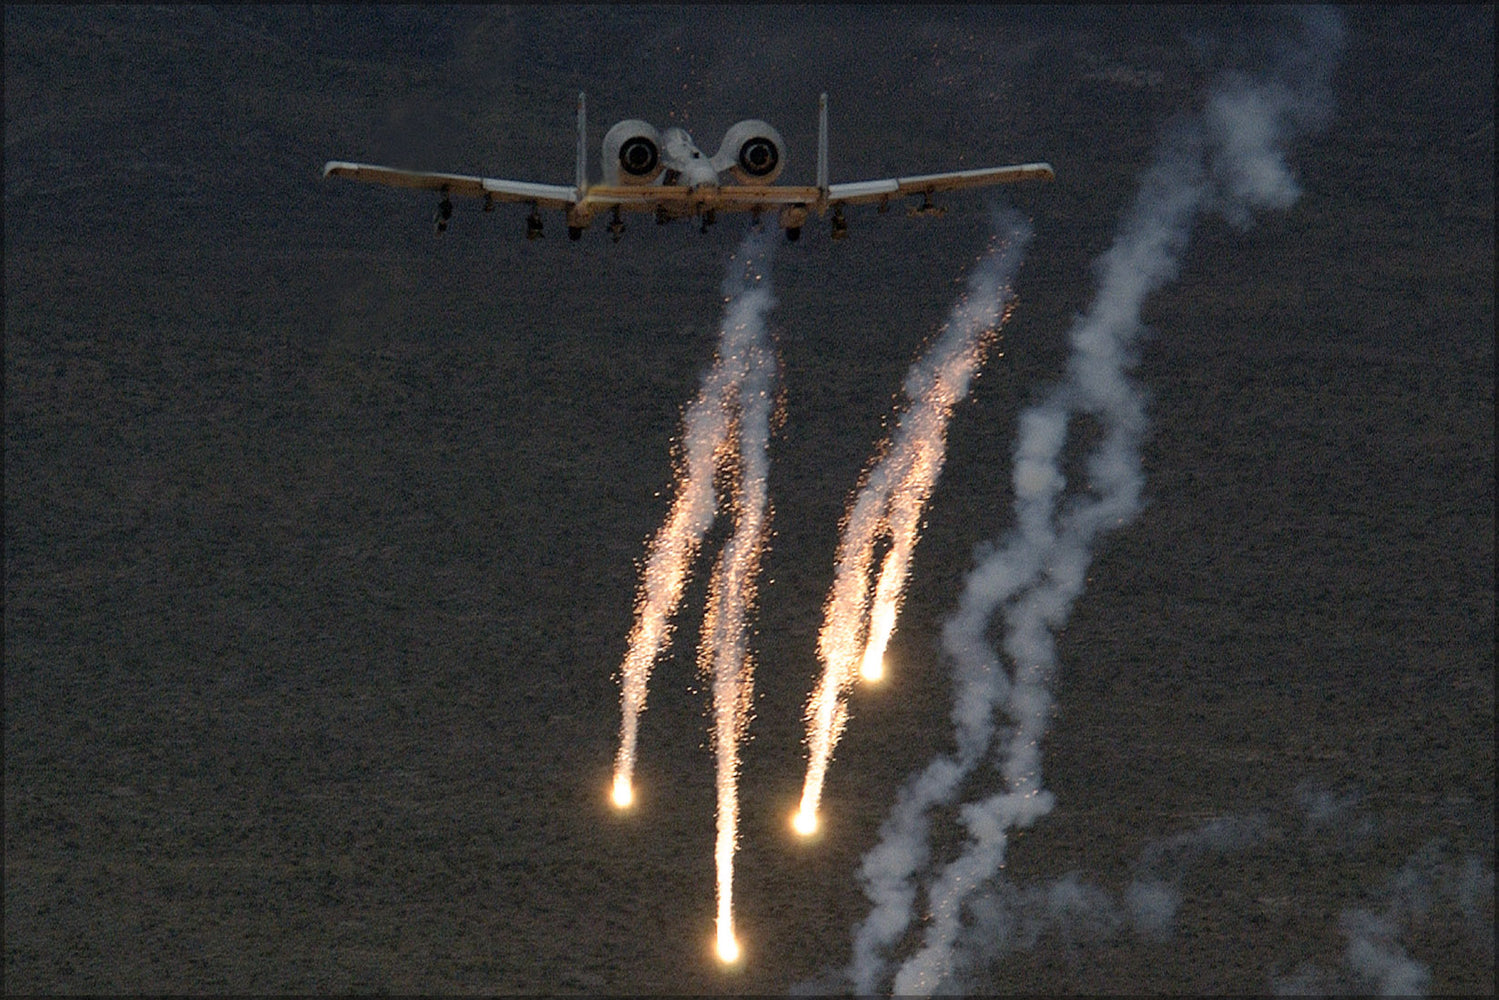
pixel 632 153
pixel 752 151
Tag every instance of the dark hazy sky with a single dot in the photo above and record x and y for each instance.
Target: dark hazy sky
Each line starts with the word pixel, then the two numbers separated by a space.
pixel 322 532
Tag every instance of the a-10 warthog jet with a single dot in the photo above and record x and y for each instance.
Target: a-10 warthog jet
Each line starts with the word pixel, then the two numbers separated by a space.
pixel 665 173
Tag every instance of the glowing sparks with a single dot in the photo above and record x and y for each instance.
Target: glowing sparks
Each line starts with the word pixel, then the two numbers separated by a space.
pixel 726 438
pixel 888 506
pixel 671 553
pixel 804 823
pixel 826 716
pixel 726 946
pixel 623 796
pixel 723 653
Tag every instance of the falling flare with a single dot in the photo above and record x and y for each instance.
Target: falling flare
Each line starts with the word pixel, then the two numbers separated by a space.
pixel 903 523
pixel 723 653
pixel 671 554
pixel 623 795
pixel 726 439
pixel 857 627
pixel 726 946
pixel 804 823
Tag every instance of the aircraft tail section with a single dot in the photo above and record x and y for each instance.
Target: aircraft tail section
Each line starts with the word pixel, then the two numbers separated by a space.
pixel 822 147
pixel 582 147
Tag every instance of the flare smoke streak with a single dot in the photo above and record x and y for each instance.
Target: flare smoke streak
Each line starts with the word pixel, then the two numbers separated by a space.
pixel 1230 158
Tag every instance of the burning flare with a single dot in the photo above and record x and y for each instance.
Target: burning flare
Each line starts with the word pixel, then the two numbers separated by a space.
pixel 889 505
pixel 726 438
pixel 623 795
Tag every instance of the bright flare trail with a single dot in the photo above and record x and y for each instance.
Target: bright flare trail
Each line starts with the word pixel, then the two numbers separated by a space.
pixel 890 503
pixel 723 654
pixel 726 433
pixel 1229 158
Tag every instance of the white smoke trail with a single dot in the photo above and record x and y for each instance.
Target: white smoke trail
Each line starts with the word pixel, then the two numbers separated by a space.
pixel 1004 916
pixel 1374 960
pixel 1435 882
pixel 1015 916
pixel 1231 157
pixel 741 362
pixel 1439 885
pixel 1044 564
pixel 1375 955
pixel 894 494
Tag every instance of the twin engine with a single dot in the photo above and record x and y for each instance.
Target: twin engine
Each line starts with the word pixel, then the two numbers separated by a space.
pixel 636 154
pixel 751 151
pixel 632 153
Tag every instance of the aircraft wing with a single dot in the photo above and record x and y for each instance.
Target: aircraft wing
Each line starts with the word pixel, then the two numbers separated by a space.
pixel 865 192
pixel 677 201
pixel 546 195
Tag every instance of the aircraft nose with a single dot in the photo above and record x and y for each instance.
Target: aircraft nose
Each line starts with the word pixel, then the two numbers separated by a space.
pixel 699 172
pixel 684 156
pixel 679 146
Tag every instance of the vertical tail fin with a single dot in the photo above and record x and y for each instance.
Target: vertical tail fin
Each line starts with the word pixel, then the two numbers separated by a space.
pixel 582 147
pixel 822 148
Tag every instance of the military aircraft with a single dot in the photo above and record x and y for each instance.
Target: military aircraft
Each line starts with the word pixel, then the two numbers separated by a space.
pixel 665 173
